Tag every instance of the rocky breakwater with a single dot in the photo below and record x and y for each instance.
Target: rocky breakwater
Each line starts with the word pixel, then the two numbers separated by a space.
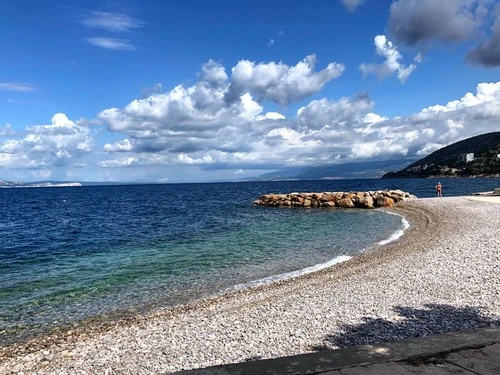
pixel 368 199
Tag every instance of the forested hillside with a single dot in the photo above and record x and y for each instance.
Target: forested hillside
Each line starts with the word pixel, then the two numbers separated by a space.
pixel 451 161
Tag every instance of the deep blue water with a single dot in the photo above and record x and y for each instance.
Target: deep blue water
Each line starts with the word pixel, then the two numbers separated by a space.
pixel 68 254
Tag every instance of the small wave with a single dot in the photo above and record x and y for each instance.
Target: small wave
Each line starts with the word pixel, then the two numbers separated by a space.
pixel 342 258
pixel 397 234
pixel 289 275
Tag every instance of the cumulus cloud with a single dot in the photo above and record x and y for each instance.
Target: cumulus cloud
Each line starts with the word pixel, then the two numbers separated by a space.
pixel 339 114
pixel 114 22
pixel 392 64
pixel 415 21
pixel 186 159
pixel 270 116
pixel 376 148
pixel 198 113
pixel 182 112
pixel 197 126
pixel 121 146
pixel 279 82
pixel 352 5
pixel 487 94
pixel 214 73
pixel 255 140
pixel 62 142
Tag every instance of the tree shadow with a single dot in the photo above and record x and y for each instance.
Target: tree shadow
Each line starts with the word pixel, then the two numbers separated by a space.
pixel 413 322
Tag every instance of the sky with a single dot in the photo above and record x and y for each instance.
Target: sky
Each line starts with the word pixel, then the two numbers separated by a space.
pixel 201 91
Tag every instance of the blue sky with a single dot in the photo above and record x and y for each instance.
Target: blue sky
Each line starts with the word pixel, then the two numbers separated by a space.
pixel 192 91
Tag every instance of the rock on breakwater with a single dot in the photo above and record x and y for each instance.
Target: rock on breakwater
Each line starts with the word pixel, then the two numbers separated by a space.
pixel 367 199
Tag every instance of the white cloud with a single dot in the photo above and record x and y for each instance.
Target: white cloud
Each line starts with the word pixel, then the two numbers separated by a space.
pixel 345 112
pixel 486 93
pixel 279 82
pixel 377 148
pixel 186 159
pixel 112 43
pixel 137 160
pixel 62 142
pixel 118 163
pixel 197 127
pixel 122 146
pixel 429 148
pixel 373 118
pixel 293 138
pixel 180 113
pixel 17 86
pixel 214 73
pixel 115 22
pixel 237 136
pixel 392 64
pixel 218 136
pixel 194 128
pixel 270 116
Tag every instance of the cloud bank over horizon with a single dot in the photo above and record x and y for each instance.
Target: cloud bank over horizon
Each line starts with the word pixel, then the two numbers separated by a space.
pixel 197 126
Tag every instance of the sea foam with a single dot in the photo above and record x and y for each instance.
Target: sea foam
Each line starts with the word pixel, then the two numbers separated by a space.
pixel 289 275
pixel 397 234
pixel 318 267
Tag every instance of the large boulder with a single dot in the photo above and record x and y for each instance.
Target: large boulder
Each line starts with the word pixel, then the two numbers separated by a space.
pixel 317 196
pixel 345 203
pixel 365 202
pixel 383 201
pixel 327 197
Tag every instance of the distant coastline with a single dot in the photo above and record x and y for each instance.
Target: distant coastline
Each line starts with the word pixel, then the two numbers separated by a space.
pixel 18 184
pixel 395 175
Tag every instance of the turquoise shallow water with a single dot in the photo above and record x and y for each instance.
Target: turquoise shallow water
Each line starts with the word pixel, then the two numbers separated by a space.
pixel 76 253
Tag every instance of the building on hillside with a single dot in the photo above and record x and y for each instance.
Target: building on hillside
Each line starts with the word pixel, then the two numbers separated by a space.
pixel 467 158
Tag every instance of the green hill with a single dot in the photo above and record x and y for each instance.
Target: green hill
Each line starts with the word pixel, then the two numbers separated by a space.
pixel 451 161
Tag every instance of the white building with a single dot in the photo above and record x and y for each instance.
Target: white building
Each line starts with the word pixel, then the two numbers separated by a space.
pixel 467 157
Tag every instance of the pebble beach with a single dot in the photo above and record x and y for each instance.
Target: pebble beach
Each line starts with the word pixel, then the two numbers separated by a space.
pixel 442 275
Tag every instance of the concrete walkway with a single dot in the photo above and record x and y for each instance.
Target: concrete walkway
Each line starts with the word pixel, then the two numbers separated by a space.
pixel 466 352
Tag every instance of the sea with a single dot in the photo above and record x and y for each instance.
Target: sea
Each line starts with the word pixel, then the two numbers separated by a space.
pixel 74 255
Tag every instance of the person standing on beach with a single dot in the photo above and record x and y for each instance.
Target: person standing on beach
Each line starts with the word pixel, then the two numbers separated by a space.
pixel 439 189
